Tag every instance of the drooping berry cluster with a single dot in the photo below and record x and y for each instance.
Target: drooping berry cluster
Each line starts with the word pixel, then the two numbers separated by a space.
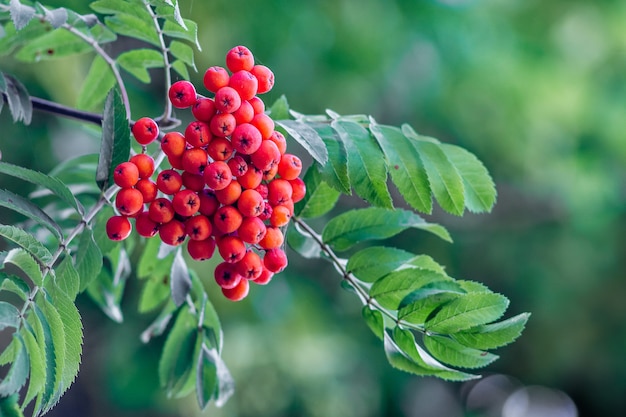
pixel 231 184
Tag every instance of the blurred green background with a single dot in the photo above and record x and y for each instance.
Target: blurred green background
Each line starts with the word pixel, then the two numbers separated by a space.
pixel 536 89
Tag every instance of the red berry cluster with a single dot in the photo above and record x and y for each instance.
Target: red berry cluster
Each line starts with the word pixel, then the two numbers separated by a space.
pixel 231 184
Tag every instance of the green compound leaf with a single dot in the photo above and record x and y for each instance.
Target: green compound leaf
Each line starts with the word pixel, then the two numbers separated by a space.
pixel 306 136
pixel 182 52
pixel 16 377
pixel 115 146
pixel 177 361
pixel 67 278
pixel 18 99
pixel 27 241
pixel 9 316
pixel 15 285
pixel 25 207
pixel 445 181
pixel 372 263
pixel 468 311
pixel 99 81
pixel 37 377
pixel 419 309
pixel 13 38
pixel 374 320
pixel 407 170
pixel 455 354
pixel 320 197
pixel 335 172
pixel 134 26
pixel 51 183
pixel 56 44
pixel 354 226
pixel 137 62
pixel 43 334
pixel 88 259
pixel 366 164
pixel 391 289
pixel 57 332
pixel 174 30
pixel 480 191
pixel 491 336
pixel 24 261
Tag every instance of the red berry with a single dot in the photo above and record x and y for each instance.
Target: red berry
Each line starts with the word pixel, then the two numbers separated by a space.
pixel 186 203
pixel 161 210
pixel 118 228
pixel 252 230
pixel 239 292
pixel 198 134
pixel 227 219
pixel 265 76
pixel 145 130
pixel 201 250
pixel 289 167
pixel 231 248
pixel 244 83
pixel 145 226
pixel 148 190
pixel 273 239
pixel 250 266
pixel 198 227
pixel 265 277
pixel 227 100
pixel 223 124
pixel 299 189
pixel 129 201
pixel 250 203
pixel 172 232
pixel 266 156
pixel 217 175
pixel 265 125
pixel 182 94
pixel 257 105
pixel 144 163
pixel 173 144
pixel 126 174
pixel 275 260
pixel 204 109
pixel 239 58
pixel 220 149
pixel 230 194
pixel 244 113
pixel 226 275
pixel 215 78
pixel 194 161
pixel 279 191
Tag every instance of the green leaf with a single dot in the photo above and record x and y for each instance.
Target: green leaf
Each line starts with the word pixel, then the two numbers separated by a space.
pixel 51 183
pixel 24 261
pixel 171 11
pixel 115 147
pixel 374 320
pixel 137 27
pixel 445 181
pixel 480 191
pixel 279 109
pixel 150 265
pixel 473 286
pixel 183 52
pixel 335 172
pixel 302 243
pixel 418 311
pixel 129 7
pixel 15 285
pixel 177 358
pixel 57 331
pixel 20 14
pixel 13 38
pixel 37 377
pixel 453 353
pixel 88 259
pixel 206 378
pixel 99 81
pixel 9 316
pixel 56 17
pixel 18 100
pixel 306 136
pixel 491 336
pixel 67 277
pixel 27 241
pixel 354 226
pixel 406 167
pixel 174 30
pixel 154 293
pixel 180 67
pixel 180 283
pixel 366 164
pixel 468 311
pixel 137 61
pixel 25 207
pixel 8 354
pixel 211 324
pixel 391 289
pixel 320 197
pixel 225 382
pixel 371 263
pixel 56 44
pixel 16 377
pixel 107 289
pixel 43 334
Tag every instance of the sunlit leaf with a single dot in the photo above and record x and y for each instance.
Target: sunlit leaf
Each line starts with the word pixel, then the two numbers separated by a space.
pixel 371 263
pixel 306 136
pixel 320 197
pixel 27 241
pixel 137 62
pixel 391 289
pixel 374 320
pixel 491 336
pixel 24 261
pixel 25 207
pixel 468 311
pixel 174 30
pixel 335 172
pixel 455 354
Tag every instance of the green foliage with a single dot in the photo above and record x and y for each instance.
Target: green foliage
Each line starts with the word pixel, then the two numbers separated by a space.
pixel 404 294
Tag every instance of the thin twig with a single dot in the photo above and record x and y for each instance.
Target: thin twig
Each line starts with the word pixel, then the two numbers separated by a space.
pixel 167 112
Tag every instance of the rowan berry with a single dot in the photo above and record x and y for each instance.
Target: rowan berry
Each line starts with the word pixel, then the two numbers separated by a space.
pixel 198 227
pixel 244 83
pixel 264 123
pixel 239 58
pixel 145 226
pixel 118 227
pixel 182 94
pixel 129 201
pixel 227 99
pixel 252 230
pixel 273 238
pixel 203 109
pixel 144 163
pixel 220 149
pixel 222 124
pixel 266 214
pixel 280 216
pixel 250 203
pixel 195 161
pixel 251 178
pixel 186 203
pixel 217 175
pixel 193 182
pixel 289 167
pixel 239 292
pixel 266 156
pixel 226 275
pixel 148 190
pixel 198 134
pixel 265 277
pixel 227 219
pixel 265 78
pixel 275 260
pixel 169 181
pixel 208 203
pixel 246 139
pixel 175 161
pixel 145 130
pixel 161 210
pixel 201 250
pixel 238 166
pixel 173 144
pixel 299 189
pixel 215 78
pixel 280 141
pixel 172 233
pixel 244 113
pixel 126 174
pixel 231 248
pixel 257 105
pixel 250 266
pixel 279 191
pixel 230 194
